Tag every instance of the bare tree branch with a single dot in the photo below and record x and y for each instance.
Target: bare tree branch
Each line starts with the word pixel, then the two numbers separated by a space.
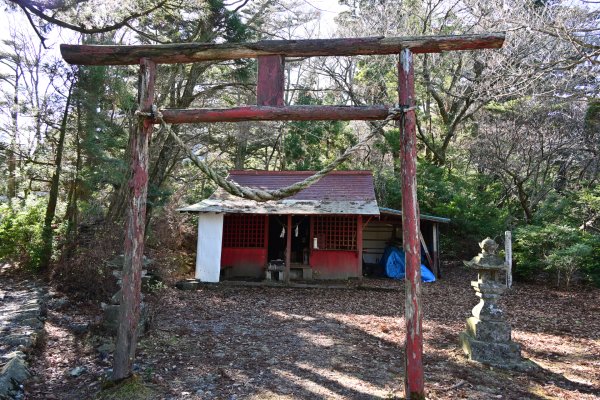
pixel 30 7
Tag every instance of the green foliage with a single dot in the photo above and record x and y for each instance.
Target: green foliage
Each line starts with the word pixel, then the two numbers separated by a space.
pixel 561 249
pixel 309 145
pixel 592 116
pixel 556 241
pixel 21 232
pixel 508 106
pixel 533 243
pixel 103 140
pixel 468 200
pixel 591 260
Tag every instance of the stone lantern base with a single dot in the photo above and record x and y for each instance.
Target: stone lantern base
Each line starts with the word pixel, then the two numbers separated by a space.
pixel 489 342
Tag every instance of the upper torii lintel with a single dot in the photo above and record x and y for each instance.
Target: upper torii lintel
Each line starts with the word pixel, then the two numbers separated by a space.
pixel 194 52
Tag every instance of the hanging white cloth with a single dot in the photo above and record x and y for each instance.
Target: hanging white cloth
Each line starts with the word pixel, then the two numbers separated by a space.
pixel 296 233
pixel 282 233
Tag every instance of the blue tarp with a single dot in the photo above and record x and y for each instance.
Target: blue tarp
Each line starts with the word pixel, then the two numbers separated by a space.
pixel 393 263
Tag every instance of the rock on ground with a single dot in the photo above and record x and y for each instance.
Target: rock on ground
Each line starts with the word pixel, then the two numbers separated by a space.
pixel 21 327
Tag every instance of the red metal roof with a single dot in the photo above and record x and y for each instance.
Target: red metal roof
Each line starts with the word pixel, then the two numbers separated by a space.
pixel 335 186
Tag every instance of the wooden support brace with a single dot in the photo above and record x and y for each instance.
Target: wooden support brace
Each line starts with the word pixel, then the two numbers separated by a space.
pixel 436 250
pixel 266 245
pixel 426 250
pixel 359 245
pixel 271 81
pixel 508 257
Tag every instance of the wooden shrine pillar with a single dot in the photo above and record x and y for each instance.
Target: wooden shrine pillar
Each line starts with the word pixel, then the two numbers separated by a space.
pixel 359 246
pixel 413 372
pixel 288 249
pixel 135 224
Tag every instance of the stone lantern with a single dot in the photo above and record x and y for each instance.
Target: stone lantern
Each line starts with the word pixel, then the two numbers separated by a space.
pixel 488 336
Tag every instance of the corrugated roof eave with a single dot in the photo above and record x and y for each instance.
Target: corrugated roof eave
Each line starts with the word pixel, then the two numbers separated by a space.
pixel 296 207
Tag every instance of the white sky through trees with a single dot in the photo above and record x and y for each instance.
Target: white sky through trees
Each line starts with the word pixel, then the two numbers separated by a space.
pixel 14 22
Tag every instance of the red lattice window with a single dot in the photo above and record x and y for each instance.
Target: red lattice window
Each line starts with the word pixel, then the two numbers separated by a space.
pixel 335 232
pixel 243 230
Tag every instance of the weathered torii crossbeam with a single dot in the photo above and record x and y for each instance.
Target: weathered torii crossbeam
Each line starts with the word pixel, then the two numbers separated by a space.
pixel 270 107
pixel 193 52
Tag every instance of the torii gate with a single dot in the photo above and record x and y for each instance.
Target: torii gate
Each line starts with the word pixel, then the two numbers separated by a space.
pixel 270 107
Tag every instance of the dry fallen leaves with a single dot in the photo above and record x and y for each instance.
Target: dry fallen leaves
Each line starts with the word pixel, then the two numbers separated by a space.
pixel 267 343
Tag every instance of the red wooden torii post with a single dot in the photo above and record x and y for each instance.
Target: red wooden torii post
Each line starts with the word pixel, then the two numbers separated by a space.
pixel 270 106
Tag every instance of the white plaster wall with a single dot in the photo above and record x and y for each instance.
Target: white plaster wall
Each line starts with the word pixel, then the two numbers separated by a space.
pixel 210 237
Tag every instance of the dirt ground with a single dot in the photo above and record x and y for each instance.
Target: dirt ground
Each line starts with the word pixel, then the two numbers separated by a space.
pixel 269 343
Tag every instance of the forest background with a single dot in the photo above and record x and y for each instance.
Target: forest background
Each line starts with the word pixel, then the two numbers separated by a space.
pixel 508 139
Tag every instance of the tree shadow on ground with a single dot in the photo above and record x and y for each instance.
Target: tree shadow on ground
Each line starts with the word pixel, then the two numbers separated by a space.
pixel 321 344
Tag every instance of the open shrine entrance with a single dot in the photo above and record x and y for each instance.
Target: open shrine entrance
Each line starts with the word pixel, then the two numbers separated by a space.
pixel 270 107
pixel 300 232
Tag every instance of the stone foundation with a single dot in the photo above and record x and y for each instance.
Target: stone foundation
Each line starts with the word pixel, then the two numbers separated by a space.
pixel 488 331
pixel 504 354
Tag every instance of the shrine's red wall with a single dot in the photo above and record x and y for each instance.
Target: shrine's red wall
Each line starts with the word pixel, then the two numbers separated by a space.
pixel 245 261
pixel 334 264
pixel 325 264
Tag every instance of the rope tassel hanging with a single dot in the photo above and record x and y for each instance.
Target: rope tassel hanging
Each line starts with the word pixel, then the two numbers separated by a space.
pixel 261 194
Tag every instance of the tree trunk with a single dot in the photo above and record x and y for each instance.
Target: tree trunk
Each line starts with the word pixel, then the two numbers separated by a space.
pixel 129 311
pixel 12 154
pixel 242 145
pixel 524 201
pixel 47 233
pixel 72 212
pixel 118 203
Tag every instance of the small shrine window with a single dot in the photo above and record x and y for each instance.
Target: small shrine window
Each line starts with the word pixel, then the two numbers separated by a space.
pixel 335 232
pixel 244 230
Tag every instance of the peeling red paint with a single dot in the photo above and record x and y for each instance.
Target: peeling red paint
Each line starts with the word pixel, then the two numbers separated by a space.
pixel 271 83
pixel 129 311
pixel 139 179
pixel 334 264
pixel 269 113
pixel 245 259
pixel 414 382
